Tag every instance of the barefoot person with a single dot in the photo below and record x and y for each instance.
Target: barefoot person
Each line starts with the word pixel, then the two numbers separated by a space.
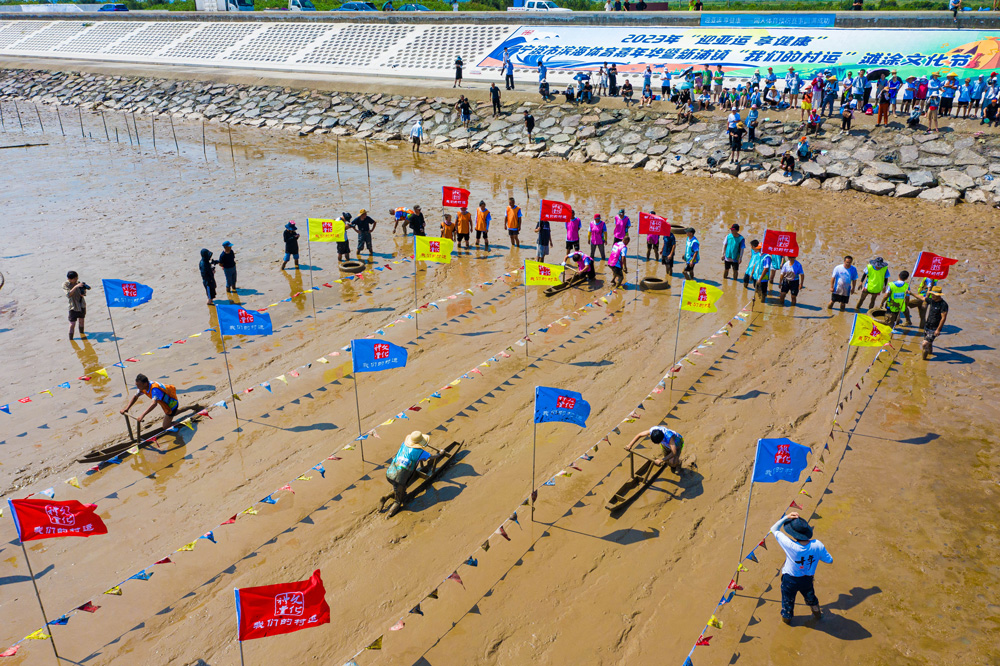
pixel 412 454
pixel 873 280
pixel 792 279
pixel 512 221
pixel 76 292
pixel 670 442
pixel 692 251
pixel 617 262
pixel 937 313
pixel 802 555
pixel 842 283
pixel 584 264
pixel 483 218
pixel 895 299
pixel 164 395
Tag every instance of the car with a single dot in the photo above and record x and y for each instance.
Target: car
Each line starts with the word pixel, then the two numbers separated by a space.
pixel 410 7
pixel 113 7
pixel 356 7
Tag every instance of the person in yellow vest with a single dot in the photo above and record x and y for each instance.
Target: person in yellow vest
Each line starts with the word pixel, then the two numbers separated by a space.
pixel 513 223
pixel 895 299
pixel 447 227
pixel 483 218
pixel 164 395
pixel 463 227
pixel 873 280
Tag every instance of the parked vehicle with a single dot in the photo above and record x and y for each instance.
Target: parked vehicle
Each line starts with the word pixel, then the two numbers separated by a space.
pixel 536 6
pixel 301 6
pixel 112 7
pixel 356 7
pixel 223 5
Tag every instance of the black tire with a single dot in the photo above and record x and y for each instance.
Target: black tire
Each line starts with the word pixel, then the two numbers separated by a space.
pixel 678 229
pixel 879 315
pixel 352 266
pixel 653 284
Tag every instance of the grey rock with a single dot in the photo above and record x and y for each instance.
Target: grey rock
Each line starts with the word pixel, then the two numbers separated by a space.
pixel 812 170
pixel 863 154
pixel 937 148
pixel 730 169
pixel 964 142
pixel 976 196
pixel 558 150
pixel 631 138
pixel 764 150
pixel 884 170
pixel 845 169
pixel 562 138
pixel 956 180
pixel 836 184
pixel 966 156
pixel 769 188
pixel 619 159
pixel 781 179
pixel 659 150
pixel 975 171
pixel 922 178
pixel 934 161
pixel 671 169
pixel 639 161
pixel 653 164
pixel 941 194
pixel 811 184
pixel 579 157
pixel 461 143
pixel 657 133
pixel 872 185
pixel 753 176
pixel 683 148
pixel 904 191
pixel 718 175
pixel 547 122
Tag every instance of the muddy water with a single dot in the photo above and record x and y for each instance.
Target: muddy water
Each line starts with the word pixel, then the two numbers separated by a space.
pixel 909 514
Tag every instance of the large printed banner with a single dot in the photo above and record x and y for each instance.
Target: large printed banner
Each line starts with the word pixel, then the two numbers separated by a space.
pixel 740 51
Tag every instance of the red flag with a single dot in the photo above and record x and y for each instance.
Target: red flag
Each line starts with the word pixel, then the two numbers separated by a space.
pixel 734 586
pixel 781 243
pixel 454 197
pixel 762 544
pixel 554 211
pixel 49 519
pixel 270 610
pixel 793 505
pixel 88 607
pixel 502 532
pixel 932 266
pixel 653 224
pixel 703 640
pixel 455 577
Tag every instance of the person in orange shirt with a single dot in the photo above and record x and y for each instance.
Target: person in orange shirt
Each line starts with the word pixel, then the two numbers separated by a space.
pixel 513 223
pixel 399 215
pixel 463 226
pixel 483 218
pixel 447 227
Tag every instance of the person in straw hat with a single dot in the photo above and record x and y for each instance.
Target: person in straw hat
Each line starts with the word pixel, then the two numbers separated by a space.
pixel 412 454
pixel 802 555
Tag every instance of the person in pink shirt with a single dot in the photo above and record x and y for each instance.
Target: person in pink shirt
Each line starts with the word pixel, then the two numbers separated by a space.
pixel 573 231
pixel 652 242
pixel 622 224
pixel 616 261
pixel 584 264
pixel 598 236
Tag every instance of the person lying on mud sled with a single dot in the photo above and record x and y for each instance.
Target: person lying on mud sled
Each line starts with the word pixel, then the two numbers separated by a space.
pixel 163 395
pixel 412 455
pixel 671 443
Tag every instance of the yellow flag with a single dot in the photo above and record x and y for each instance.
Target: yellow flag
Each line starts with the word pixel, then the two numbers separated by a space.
pixel 869 333
pixel 102 371
pixel 699 297
pixel 375 644
pixel 429 248
pixel 39 635
pixel 715 622
pixel 187 547
pixel 73 482
pixel 538 274
pixel 325 231
pixel 117 591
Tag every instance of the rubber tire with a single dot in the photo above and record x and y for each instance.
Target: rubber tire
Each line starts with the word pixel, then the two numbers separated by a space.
pixel 878 314
pixel 352 266
pixel 653 284
pixel 678 230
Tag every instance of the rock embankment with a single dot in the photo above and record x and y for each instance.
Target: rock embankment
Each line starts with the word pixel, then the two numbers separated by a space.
pixel 945 168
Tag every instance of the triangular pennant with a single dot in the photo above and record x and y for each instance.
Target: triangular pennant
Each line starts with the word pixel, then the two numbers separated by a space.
pixel 115 591
pixel 39 635
pixel 73 482
pixel 396 627
pixel 455 577
pixel 502 532
pixel 703 640
pixel 416 610
pixel 88 607
pixel 375 644
pixel 715 622
pixel 433 594
pixel 752 557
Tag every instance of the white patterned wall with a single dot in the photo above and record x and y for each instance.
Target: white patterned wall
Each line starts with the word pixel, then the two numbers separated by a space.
pixel 424 50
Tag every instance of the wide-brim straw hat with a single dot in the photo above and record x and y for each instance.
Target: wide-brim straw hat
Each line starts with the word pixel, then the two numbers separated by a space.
pixel 417 440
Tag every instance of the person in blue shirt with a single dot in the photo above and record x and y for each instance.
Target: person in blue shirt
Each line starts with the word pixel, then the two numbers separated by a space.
pixel 755 257
pixel 732 252
pixel 842 283
pixel 752 122
pixel 755 79
pixel 508 69
pixel 542 71
pixel 793 84
pixel 829 93
pixel 665 85
pixel 413 454
pixel 964 98
pixel 647 77
pixel 858 88
pixel 976 89
pixel 895 83
pixel 802 555
pixel 671 444
pixel 771 77
pixel 691 251
pixel 948 91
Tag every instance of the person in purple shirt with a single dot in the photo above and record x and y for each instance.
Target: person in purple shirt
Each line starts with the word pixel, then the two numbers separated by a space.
pixel 598 236
pixel 573 231
pixel 622 224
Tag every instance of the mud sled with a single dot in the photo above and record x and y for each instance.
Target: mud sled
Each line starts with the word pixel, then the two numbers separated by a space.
pixel 139 438
pixel 422 478
pixel 639 480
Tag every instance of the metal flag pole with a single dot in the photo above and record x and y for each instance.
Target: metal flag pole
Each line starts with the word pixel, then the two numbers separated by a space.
pixel 242 663
pixel 416 310
pixel 677 335
pixel 638 244
pixel 174 132
pixel 309 250
pixel 39 114
pixel 524 271
pixel 136 128
pixel 121 364
pixel 59 117
pixel 232 392
pixel 531 486
pixel 48 629
pixel 746 518
pixel 107 135
pixel 357 405
pixel 19 122
pixel 843 373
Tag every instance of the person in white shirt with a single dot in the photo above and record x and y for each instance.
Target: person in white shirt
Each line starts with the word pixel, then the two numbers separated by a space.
pixel 792 278
pixel 417 134
pixel 802 555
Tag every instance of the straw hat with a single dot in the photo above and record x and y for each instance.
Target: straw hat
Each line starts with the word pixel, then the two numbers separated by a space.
pixel 416 440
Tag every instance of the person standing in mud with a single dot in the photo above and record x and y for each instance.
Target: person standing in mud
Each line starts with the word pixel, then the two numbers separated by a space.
pixel 416 221
pixel 512 221
pixel 227 259
pixel 76 292
pixel 207 268
pixel 291 238
pixel 802 555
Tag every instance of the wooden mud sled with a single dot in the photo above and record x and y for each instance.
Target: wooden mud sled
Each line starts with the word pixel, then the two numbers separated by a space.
pixel 139 438
pixel 639 479
pixel 422 478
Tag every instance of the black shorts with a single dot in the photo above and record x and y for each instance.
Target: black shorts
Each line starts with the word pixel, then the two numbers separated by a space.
pixel 689 268
pixel 735 265
pixel 837 298
pixel 481 234
pixel 929 334
pixel 513 232
pixel 617 270
pixel 653 244
pixel 790 286
pixel 343 247
pixel 572 245
pixel 77 314
pixel 669 263
pixel 462 237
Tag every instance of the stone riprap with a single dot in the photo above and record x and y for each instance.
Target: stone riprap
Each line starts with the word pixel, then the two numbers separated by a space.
pixel 946 168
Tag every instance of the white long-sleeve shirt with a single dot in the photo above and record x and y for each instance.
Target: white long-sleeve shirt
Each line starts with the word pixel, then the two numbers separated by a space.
pixel 800 559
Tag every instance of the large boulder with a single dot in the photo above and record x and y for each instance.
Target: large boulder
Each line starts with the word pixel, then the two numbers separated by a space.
pixel 934 161
pixel 730 168
pixel 976 196
pixel 764 150
pixel 938 147
pixel 872 185
pixel 812 169
pixel 904 191
pixel 908 155
pixel 769 188
pixel 942 195
pixel 845 169
pixel 922 178
pixel 780 178
pixel 956 180
pixel 885 170
pixel 656 133
pixel 811 184
pixel 966 157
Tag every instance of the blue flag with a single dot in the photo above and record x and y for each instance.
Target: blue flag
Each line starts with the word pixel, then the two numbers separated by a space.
pixel 235 320
pixel 779 460
pixel 373 355
pixel 124 294
pixel 552 404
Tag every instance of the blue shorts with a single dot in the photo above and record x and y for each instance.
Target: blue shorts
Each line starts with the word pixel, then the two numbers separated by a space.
pixel 288 256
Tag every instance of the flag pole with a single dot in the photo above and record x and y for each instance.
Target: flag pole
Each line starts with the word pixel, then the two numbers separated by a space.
pixel 677 335
pixel 121 363
pixel 45 617
pixel 232 392
pixel 638 243
pixel 531 489
pixel 524 271
pixel 746 518
pixel 309 249
pixel 416 309
pixel 357 405
pixel 242 663
pixel 843 373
